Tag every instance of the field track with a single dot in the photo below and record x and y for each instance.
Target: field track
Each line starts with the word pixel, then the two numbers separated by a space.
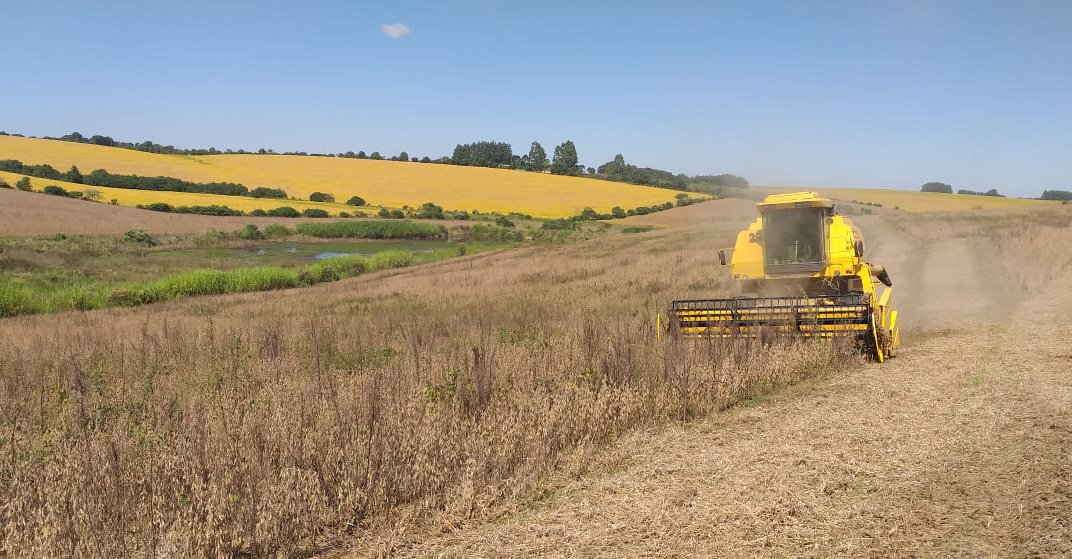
pixel 962 446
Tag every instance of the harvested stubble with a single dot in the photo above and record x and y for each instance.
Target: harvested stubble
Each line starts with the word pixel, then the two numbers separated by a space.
pixel 267 424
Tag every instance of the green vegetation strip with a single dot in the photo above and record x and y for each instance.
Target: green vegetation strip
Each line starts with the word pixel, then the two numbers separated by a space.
pixel 15 300
pixel 373 230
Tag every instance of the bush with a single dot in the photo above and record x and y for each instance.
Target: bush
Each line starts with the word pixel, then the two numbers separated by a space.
pixel 936 187
pixel 283 211
pixel 429 210
pixel 53 190
pixel 493 233
pixel 384 212
pixel 637 229
pixel 262 192
pixel 314 212
pixel 92 195
pixel 397 214
pixel 209 210
pixel 23 184
pixel 275 231
pixel 250 233
pixel 4 184
pixel 139 236
pixel 158 207
pixel 559 224
pixel 502 221
pixel 373 230
pixel 356 201
pixel 321 197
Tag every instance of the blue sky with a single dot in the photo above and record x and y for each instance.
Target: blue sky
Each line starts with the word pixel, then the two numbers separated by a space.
pixel 878 94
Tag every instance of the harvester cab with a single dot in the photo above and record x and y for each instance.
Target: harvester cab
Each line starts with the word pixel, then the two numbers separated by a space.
pixel 801 267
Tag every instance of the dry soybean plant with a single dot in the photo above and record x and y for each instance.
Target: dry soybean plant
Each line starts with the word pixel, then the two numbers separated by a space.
pixel 268 424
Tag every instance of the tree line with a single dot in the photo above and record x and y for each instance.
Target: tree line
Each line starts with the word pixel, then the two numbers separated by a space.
pixel 934 186
pixel 100 177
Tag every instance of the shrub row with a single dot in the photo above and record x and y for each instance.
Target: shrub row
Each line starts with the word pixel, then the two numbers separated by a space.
pixel 101 177
pixel 283 211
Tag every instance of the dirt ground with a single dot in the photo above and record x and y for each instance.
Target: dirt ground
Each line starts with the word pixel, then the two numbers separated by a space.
pixel 961 446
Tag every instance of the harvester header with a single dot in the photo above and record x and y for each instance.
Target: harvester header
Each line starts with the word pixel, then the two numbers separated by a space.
pixel 802 268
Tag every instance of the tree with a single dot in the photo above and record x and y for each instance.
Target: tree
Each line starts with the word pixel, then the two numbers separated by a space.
pixel 617 212
pixel 732 181
pixel 362 155
pixel 935 186
pixel 565 159
pixel 991 192
pixel 483 154
pixel 618 170
pixel 1062 195
pixel 321 197
pixel 537 158
pixel 23 184
pixel 283 211
pixel 73 175
pixel 589 213
pixel 92 195
pixel 356 201
pixel 403 156
pixel 376 155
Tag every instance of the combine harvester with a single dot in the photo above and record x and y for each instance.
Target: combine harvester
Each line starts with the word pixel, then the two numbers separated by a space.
pixel 802 266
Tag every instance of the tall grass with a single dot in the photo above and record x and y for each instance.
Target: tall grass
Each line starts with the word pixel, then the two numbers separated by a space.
pixel 15 300
pixel 373 230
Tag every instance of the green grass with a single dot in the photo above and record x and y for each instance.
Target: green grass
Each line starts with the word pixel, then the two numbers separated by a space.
pixel 34 299
pixel 373 230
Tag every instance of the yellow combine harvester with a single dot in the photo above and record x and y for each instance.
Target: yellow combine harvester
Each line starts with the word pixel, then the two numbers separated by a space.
pixel 802 266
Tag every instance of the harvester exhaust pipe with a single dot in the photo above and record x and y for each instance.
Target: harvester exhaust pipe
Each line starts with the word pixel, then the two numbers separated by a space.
pixel 879 271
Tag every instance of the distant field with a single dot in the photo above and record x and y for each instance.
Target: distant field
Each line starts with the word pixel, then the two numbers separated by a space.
pixel 911 201
pixel 384 183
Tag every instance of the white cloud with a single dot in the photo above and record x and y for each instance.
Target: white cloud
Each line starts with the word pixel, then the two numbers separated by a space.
pixel 395 30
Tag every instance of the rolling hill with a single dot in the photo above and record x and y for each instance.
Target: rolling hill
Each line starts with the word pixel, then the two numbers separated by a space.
pixel 382 183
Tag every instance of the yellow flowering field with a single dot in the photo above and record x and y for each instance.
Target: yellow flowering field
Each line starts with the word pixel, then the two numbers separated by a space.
pixel 383 183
